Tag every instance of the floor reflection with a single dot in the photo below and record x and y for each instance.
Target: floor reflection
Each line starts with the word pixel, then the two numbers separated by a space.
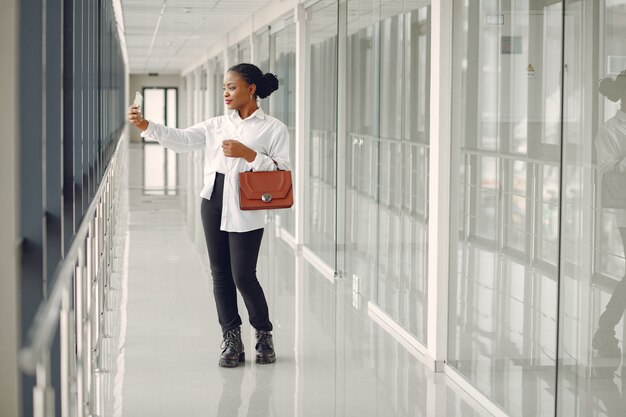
pixel 332 359
pixel 503 337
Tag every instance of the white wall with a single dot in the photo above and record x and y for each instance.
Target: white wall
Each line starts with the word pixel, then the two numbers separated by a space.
pixel 9 335
pixel 138 81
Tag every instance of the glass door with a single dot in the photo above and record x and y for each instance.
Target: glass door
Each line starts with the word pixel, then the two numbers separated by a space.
pixel 386 159
pixel 591 377
pixel 320 179
pixel 282 103
pixel 363 67
pixel 505 201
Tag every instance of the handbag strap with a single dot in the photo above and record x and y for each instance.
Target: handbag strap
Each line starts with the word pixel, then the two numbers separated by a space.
pixel 275 163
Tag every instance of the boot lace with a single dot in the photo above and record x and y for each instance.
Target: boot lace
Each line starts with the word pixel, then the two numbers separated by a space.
pixel 264 338
pixel 230 340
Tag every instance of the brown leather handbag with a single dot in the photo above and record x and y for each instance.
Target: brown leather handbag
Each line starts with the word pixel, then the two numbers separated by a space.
pixel 614 189
pixel 264 190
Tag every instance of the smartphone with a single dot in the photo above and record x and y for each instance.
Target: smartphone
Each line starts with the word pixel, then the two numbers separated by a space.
pixel 138 99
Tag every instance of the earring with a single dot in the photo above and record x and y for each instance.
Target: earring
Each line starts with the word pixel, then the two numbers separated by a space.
pixel 250 96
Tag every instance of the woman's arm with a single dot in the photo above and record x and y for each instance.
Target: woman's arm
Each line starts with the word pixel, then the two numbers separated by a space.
pixel 178 140
pixel 607 151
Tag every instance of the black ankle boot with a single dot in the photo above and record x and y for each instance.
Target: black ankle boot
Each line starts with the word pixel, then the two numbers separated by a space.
pixel 233 352
pixel 264 347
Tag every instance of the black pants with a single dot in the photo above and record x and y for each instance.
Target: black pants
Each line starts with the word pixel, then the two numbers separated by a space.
pixel 617 304
pixel 233 257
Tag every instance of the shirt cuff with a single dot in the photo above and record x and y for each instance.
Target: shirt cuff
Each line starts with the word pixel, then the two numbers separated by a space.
pixel 254 165
pixel 149 131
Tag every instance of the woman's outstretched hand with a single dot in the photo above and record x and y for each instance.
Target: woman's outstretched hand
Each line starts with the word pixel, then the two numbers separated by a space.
pixel 136 118
pixel 235 149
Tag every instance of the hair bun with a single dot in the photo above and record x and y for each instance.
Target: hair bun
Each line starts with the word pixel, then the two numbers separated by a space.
pixel 269 84
pixel 608 89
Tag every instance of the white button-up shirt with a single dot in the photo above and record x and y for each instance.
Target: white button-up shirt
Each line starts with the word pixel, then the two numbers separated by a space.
pixel 264 134
pixel 611 152
pixel 611 144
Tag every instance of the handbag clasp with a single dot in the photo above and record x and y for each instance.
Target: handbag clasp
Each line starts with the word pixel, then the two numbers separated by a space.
pixel 266 198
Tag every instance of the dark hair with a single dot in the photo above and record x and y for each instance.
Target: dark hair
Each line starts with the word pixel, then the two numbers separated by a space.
pixel 266 83
pixel 614 89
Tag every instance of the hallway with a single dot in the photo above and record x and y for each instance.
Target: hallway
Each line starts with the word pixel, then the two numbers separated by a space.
pixel 333 360
pixel 457 242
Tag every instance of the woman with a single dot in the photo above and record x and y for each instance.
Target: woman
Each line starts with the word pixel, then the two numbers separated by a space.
pixel 611 152
pixel 244 139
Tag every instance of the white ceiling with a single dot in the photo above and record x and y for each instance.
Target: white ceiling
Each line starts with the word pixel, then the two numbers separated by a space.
pixel 165 35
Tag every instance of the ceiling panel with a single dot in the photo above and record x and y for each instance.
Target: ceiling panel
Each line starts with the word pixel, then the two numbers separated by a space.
pixel 164 36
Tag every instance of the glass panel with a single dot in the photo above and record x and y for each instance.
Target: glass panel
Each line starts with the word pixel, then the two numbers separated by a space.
pixel 201 94
pixel 593 287
pixel 320 201
pixel 282 103
pixel 172 107
pixel 218 82
pixel 410 200
pixel 233 55
pixel 262 50
pixel 244 51
pixel 504 237
pixel 386 230
pixel 362 153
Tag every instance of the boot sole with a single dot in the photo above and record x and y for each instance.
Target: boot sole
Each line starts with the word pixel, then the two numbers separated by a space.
pixel 265 361
pixel 225 363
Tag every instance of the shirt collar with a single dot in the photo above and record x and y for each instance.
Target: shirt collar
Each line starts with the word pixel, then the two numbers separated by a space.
pixel 259 114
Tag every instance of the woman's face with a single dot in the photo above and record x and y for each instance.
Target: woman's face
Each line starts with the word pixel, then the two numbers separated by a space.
pixel 237 91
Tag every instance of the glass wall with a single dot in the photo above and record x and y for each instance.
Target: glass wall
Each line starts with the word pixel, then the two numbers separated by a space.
pixel 505 197
pixel 262 49
pixel 404 163
pixel 218 82
pixel 320 177
pixel 362 145
pixel 72 89
pixel 386 227
pixel 592 286
pixel 282 103
pixel 537 287
pixel 539 235
pixel 242 52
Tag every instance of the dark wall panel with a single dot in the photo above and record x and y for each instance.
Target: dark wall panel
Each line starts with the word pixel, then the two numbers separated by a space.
pixel 71 113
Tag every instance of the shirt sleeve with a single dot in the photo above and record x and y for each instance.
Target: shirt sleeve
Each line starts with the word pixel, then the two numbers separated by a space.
pixel 278 154
pixel 609 155
pixel 179 140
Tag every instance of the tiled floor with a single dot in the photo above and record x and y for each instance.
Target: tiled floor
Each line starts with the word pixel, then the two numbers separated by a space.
pixel 333 360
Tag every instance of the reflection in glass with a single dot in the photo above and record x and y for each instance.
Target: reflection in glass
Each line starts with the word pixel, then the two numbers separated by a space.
pixel 387 157
pixel 593 288
pixel 218 82
pixel 282 103
pixel 320 201
pixel 504 239
pixel 362 150
pixel 241 52
pixel 262 49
